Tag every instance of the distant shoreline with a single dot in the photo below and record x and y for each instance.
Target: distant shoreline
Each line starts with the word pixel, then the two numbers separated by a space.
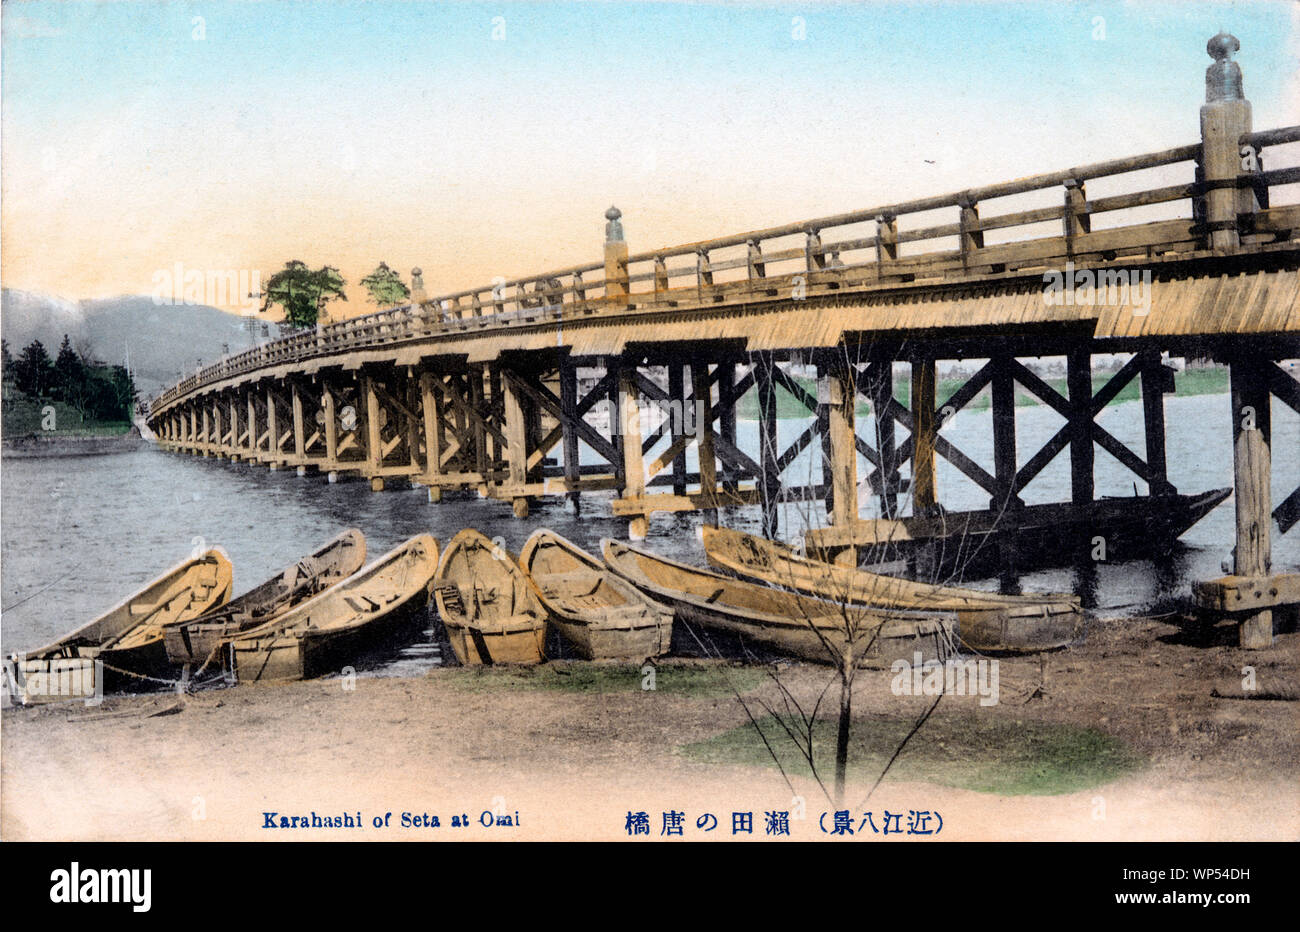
pixel 70 443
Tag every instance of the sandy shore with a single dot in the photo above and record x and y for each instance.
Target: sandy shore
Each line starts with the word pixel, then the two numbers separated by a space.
pixel 568 764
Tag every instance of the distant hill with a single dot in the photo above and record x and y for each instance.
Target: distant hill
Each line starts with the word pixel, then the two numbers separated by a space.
pixel 161 340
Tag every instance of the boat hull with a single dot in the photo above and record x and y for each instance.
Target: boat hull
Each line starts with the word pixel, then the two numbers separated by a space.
pixel 987 621
pixel 306 655
pixel 123 649
pixel 521 640
pixel 979 544
pixel 625 636
pixel 809 628
pixel 200 641
pixel 490 608
pixel 599 613
pixel 331 629
pixel 931 640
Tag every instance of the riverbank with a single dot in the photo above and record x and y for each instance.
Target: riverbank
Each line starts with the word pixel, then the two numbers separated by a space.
pixel 567 750
pixel 70 443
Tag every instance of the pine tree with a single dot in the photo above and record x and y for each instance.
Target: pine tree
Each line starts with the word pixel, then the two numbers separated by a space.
pixel 69 375
pixel 33 370
pixel 386 286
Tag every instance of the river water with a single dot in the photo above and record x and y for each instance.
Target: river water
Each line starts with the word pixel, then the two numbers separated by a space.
pixel 77 534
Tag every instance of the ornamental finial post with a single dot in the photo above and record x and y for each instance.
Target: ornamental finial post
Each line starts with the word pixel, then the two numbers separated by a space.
pixel 1225 120
pixel 1223 78
pixel 614 228
pixel 617 282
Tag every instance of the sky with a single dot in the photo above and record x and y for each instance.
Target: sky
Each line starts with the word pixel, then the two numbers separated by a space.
pixel 484 140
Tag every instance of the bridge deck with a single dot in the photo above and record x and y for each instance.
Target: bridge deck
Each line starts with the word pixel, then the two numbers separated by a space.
pixel 795 286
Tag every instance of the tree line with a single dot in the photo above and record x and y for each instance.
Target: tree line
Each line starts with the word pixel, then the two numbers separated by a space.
pixel 98 392
pixel 303 293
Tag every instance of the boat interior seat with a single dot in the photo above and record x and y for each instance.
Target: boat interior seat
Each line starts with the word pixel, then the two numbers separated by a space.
pixel 569 585
pixel 362 603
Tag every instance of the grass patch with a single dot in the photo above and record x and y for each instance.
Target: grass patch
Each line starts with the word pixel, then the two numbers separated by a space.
pixel 23 416
pixel 697 680
pixel 982 753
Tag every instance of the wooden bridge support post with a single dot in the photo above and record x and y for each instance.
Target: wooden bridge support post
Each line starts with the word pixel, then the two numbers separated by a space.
pixel 727 415
pixel 516 431
pixel 1007 502
pixel 250 455
pixel 569 408
pixel 703 393
pixel 626 420
pixel 329 406
pixel 923 401
pixel 1251 460
pixel 299 428
pixel 272 428
pixel 218 435
pixel 880 388
pixel 1156 382
pixel 194 430
pixel 1078 378
pixel 770 482
pixel 414 422
pixel 841 410
pixel 677 396
pixel 823 423
pixel 207 433
pixel 615 402
pixel 374 436
pixel 235 449
pixel 478 401
pixel 496 407
pixel 1004 432
pixel 432 413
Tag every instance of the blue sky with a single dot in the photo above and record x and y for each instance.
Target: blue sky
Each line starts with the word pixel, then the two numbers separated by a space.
pixel 135 137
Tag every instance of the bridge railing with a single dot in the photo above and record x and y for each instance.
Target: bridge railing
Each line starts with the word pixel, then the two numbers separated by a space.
pixel 955 235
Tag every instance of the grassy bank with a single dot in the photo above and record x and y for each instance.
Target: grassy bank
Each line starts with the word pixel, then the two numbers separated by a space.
pixel 23 416
pixel 1207 381
pixel 673 678
pixel 980 753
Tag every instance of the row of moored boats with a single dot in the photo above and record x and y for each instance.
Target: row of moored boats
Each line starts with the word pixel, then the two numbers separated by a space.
pixel 499 607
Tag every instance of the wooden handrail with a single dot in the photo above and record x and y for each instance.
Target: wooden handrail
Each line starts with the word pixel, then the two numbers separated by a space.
pixel 551 297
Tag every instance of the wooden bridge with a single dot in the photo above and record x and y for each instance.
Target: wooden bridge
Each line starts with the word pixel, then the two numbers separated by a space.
pixel 502 389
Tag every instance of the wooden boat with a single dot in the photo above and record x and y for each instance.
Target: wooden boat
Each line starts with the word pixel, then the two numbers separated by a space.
pixel 973 544
pixel 199 640
pixel 598 612
pixel 125 644
pixel 783 621
pixel 491 610
pixel 330 628
pixel 986 621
